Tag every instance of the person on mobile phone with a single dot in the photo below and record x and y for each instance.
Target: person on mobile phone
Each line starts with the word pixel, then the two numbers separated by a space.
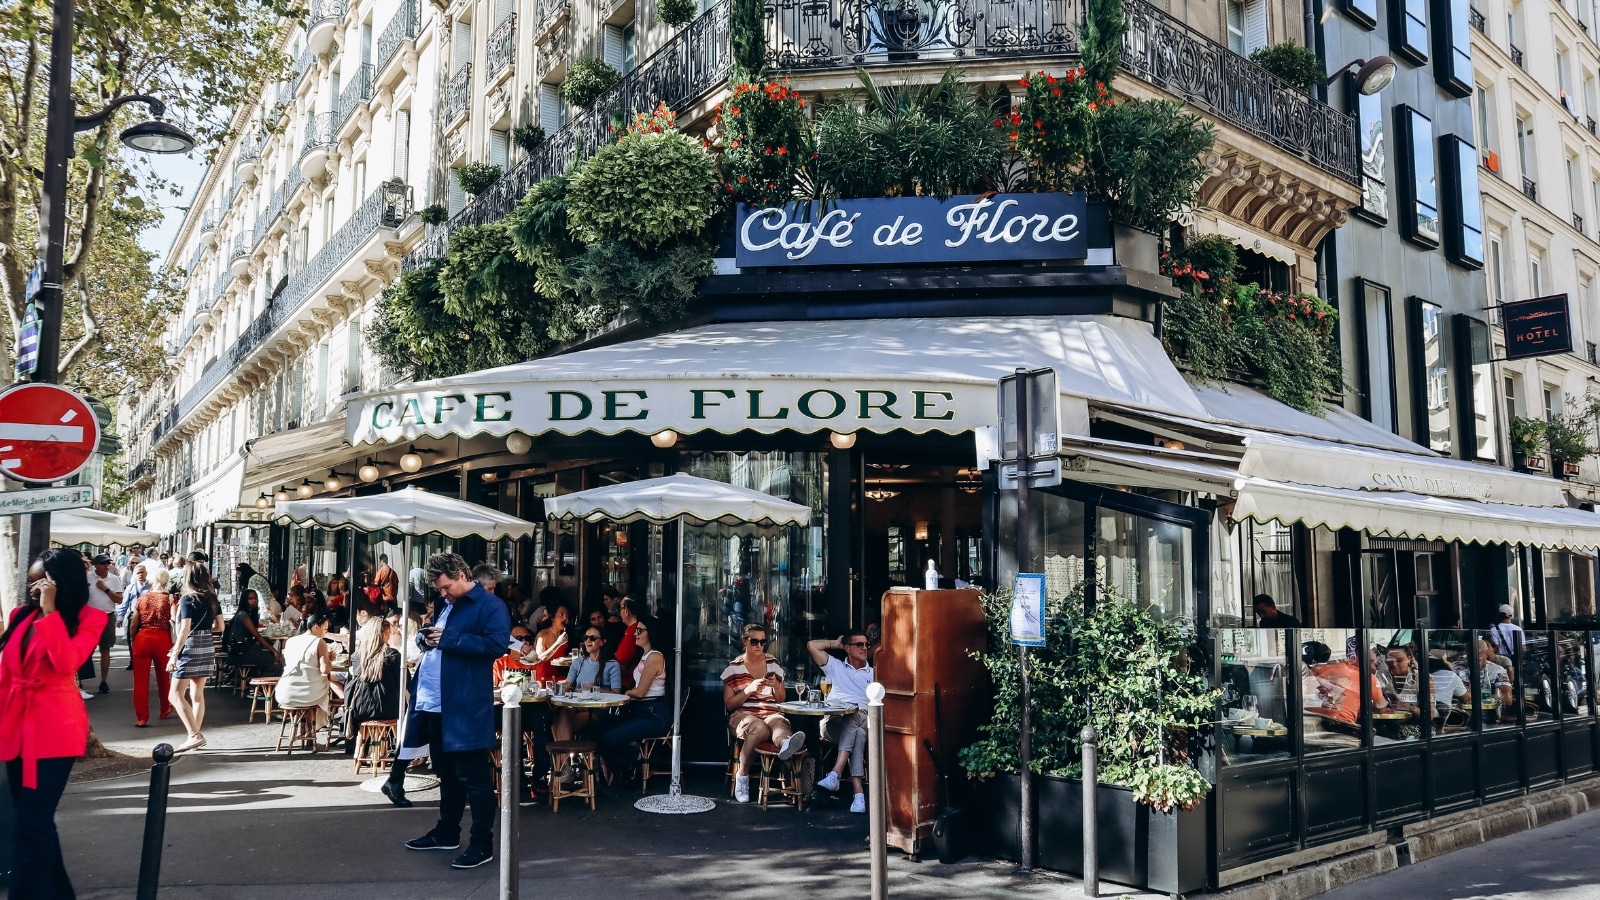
pixel 752 688
pixel 44 726
pixel 453 708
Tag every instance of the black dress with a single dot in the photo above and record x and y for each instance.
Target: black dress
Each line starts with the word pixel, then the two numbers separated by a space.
pixel 376 699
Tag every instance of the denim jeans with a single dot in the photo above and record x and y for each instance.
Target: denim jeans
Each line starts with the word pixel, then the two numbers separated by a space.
pixel 640 720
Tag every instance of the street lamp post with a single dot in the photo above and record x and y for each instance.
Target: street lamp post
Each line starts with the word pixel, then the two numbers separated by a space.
pixel 61 123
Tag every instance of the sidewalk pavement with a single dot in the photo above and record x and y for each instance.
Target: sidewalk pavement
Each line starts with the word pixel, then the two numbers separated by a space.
pixel 247 822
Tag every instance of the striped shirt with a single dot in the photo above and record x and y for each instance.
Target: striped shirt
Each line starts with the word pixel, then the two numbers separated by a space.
pixel 737 675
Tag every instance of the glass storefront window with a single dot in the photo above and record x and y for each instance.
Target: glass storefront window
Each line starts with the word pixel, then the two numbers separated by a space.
pixel 1399 705
pixel 1269 567
pixel 1572 680
pixel 1330 688
pixel 1147 560
pixel 1495 686
pixel 1450 681
pixel 1535 660
pixel 735 574
pixel 1064 545
pixel 1254 705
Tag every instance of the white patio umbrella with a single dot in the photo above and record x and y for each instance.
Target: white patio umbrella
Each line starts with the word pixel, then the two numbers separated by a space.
pixel 413 513
pixel 677 498
pixel 82 526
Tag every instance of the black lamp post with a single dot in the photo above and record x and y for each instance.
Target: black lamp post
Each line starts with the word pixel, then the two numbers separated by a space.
pixel 61 123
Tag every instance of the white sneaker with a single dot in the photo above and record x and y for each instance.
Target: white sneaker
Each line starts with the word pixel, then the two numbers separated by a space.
pixel 741 788
pixel 829 782
pixel 859 804
pixel 85 694
pixel 792 745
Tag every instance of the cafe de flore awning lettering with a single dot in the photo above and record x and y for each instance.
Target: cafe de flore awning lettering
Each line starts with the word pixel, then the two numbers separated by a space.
pixel 648 406
pixel 915 230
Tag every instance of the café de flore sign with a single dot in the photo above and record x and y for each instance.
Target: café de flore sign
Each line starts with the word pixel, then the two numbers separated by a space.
pixel 914 230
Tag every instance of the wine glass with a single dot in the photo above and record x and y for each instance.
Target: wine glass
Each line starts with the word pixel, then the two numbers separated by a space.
pixel 826 686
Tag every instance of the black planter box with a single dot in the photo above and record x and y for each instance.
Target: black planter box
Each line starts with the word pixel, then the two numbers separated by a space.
pixel 1140 848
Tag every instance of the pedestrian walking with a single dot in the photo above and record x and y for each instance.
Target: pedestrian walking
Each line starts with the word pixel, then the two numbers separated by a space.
pixel 193 656
pixel 150 627
pixel 453 709
pixel 44 728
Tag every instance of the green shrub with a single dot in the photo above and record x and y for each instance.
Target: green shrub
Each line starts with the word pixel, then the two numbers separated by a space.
pixel 586 80
pixel 1103 28
pixel 764 136
pixel 528 137
pixel 648 188
pixel 1568 437
pixel 1527 435
pixel 435 214
pixel 1289 345
pixel 1054 125
pixel 676 13
pixel 1296 64
pixel 747 35
pixel 485 284
pixel 908 140
pixel 1144 160
pixel 475 178
pixel 1117 668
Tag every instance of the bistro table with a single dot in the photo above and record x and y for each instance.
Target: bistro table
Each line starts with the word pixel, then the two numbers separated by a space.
pixel 811 723
pixel 592 700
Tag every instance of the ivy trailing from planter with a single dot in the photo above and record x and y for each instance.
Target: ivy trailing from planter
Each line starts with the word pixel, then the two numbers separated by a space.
pixel 1117 668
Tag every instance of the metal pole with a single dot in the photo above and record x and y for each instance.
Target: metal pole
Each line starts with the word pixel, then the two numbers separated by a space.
pixel 405 650
pixel 155 822
pixel 676 788
pixel 53 219
pixel 1024 556
pixel 877 812
pixel 1091 819
pixel 510 784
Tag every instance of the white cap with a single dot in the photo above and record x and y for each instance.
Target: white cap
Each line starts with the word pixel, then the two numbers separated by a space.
pixel 1506 610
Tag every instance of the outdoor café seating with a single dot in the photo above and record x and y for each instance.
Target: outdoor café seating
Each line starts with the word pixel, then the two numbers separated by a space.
pixel 261 698
pixel 781 778
pixel 375 744
pixel 581 756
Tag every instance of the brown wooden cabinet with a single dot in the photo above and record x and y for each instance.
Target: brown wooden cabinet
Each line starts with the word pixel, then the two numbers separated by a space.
pixel 935 692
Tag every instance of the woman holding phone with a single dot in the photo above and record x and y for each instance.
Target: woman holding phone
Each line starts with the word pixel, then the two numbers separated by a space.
pixel 44 727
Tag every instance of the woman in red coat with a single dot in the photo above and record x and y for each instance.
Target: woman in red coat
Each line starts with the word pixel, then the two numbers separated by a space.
pixel 44 727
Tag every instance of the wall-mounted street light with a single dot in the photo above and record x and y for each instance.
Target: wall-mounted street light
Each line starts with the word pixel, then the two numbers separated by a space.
pixel 1372 75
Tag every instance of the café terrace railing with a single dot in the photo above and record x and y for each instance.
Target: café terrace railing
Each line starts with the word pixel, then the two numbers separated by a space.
pixel 811 35
pixel 386 207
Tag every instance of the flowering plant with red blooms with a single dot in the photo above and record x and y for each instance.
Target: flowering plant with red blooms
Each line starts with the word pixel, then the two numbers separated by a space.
pixel 1054 124
pixel 764 138
pixel 657 121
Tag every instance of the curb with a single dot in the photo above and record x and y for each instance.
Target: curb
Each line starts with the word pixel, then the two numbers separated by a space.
pixel 1418 842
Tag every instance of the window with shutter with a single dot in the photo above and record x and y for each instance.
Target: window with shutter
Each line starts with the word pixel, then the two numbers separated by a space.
pixel 461 53
pixel 321 399
pixel 552 109
pixel 458 197
pixel 402 144
pixel 366 43
pixel 503 10
pixel 613 47
pixel 499 148
pixel 1255 26
pixel 352 358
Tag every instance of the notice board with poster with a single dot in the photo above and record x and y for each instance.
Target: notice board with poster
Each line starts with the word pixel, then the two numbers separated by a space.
pixel 1538 327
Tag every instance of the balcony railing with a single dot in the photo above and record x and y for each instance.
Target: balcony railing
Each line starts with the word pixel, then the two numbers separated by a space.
pixel 502 46
pixel 243 243
pixel 1577 222
pixel 457 92
pixel 387 207
pixel 320 134
pixel 302 67
pixel 689 66
pixel 548 10
pixel 1530 188
pixel 280 199
pixel 249 151
pixel 1166 53
pixel 1516 55
pixel 1477 20
pixel 145 468
pixel 1588 122
pixel 835 33
pixel 357 91
pixel 401 28
pixel 322 11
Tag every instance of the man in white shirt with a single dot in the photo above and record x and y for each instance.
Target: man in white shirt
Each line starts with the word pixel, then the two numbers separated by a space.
pixel 1506 634
pixel 105 593
pixel 849 677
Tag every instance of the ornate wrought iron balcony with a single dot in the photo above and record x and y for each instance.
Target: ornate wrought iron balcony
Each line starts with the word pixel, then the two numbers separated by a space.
pixel 302 67
pixel 357 91
pixel 457 94
pixel 502 46
pixel 1477 20
pixel 319 135
pixel 1577 222
pixel 549 10
pixel 1516 55
pixel 1530 188
pixel 401 28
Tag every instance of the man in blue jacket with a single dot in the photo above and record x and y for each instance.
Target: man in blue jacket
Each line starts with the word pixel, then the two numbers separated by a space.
pixel 453 709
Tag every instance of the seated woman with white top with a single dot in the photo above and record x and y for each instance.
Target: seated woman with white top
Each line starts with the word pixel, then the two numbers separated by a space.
pixel 595 667
pixel 649 715
pixel 307 680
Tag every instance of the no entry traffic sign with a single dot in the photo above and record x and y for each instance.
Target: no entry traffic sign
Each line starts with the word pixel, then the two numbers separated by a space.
pixel 47 433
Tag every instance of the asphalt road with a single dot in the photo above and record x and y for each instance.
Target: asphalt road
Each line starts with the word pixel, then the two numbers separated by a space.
pixel 1556 862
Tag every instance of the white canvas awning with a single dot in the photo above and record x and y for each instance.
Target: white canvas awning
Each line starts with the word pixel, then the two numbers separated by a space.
pixel 918 375
pixel 672 497
pixel 285 457
pixel 409 511
pixel 73 526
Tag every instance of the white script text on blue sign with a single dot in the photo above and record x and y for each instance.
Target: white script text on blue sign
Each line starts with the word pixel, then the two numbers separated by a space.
pixel 907 230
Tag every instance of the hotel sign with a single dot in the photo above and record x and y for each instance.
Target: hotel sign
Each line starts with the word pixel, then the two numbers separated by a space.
pixel 915 230
pixel 1538 327
pixel 684 405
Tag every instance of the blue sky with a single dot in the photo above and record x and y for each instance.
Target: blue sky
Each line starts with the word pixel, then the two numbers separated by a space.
pixel 185 171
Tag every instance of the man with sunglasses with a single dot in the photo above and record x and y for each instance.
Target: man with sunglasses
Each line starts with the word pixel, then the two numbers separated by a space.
pixel 752 688
pixel 850 677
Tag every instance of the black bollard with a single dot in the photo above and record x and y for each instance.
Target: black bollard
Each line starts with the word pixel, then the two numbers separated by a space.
pixel 155 822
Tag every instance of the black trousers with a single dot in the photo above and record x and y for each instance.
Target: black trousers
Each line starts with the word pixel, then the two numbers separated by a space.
pixel 464 779
pixel 37 869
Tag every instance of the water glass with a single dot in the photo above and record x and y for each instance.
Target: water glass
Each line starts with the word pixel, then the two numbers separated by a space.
pixel 814 699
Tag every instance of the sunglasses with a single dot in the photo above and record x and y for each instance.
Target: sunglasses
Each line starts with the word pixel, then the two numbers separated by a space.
pixel 522 637
pixel 590 637
pixel 759 642
pixel 857 644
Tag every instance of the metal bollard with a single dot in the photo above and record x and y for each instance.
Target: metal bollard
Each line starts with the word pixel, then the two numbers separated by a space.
pixel 1091 824
pixel 877 812
pixel 155 822
pixel 510 789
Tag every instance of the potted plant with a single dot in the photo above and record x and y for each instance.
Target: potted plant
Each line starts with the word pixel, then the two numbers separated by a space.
pixel 1568 439
pixel 1527 443
pixel 475 178
pixel 587 79
pixel 1294 63
pixel 1128 674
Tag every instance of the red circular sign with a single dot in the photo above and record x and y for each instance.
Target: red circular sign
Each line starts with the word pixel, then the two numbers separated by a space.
pixel 47 433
